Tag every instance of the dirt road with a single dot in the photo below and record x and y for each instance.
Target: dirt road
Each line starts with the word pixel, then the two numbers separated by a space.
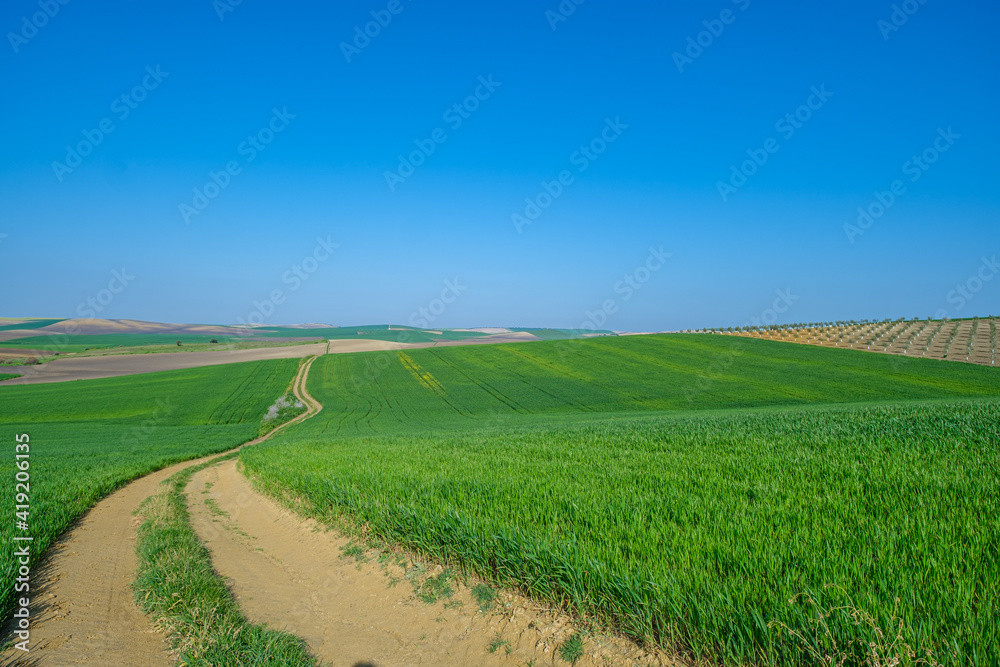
pixel 289 573
pixel 82 610
pixel 292 574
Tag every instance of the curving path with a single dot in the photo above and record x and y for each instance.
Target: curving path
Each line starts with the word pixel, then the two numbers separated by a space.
pixel 291 574
pixel 82 608
pixel 287 572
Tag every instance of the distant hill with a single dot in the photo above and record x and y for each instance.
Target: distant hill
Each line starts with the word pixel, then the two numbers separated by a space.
pixel 49 336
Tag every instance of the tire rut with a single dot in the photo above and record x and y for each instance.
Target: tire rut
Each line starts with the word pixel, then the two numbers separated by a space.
pixel 293 574
pixel 82 606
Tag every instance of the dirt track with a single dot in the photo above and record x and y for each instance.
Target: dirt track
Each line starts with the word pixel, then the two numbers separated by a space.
pixel 289 574
pixel 292 575
pixel 82 611
pixel 286 572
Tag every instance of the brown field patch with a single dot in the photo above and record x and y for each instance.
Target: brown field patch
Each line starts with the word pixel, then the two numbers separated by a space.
pixel 88 368
pixel 90 326
pixel 114 364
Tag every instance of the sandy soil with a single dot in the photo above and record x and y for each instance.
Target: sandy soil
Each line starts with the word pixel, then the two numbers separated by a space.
pixel 510 337
pixel 12 353
pixel 355 345
pixel 291 574
pixel 82 608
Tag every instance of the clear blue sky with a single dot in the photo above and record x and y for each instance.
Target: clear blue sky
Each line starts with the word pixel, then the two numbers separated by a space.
pixel 554 86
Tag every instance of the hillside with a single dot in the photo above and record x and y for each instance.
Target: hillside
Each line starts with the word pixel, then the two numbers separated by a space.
pixel 684 488
pixel 971 340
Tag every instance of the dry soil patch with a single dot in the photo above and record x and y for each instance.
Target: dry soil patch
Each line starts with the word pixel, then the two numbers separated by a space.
pixel 292 574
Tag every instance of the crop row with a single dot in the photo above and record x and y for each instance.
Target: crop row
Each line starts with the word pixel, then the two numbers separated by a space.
pixel 590 473
pixel 972 340
pixel 489 385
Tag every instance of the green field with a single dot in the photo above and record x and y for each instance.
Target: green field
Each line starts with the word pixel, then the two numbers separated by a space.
pixel 8 376
pixel 376 332
pixel 80 342
pixel 90 437
pixel 562 334
pixel 248 344
pixel 30 324
pixel 682 488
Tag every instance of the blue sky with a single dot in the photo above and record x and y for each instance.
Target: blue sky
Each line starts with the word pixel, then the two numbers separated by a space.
pixel 594 92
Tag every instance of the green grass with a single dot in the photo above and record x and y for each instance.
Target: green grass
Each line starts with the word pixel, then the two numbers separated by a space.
pixel 469 386
pixel 497 643
pixel 247 344
pixel 9 376
pixel 562 334
pixel 485 596
pixel 80 342
pixel 681 488
pixel 430 589
pixel 25 361
pixel 91 437
pixel 177 584
pixel 375 332
pixel 571 650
